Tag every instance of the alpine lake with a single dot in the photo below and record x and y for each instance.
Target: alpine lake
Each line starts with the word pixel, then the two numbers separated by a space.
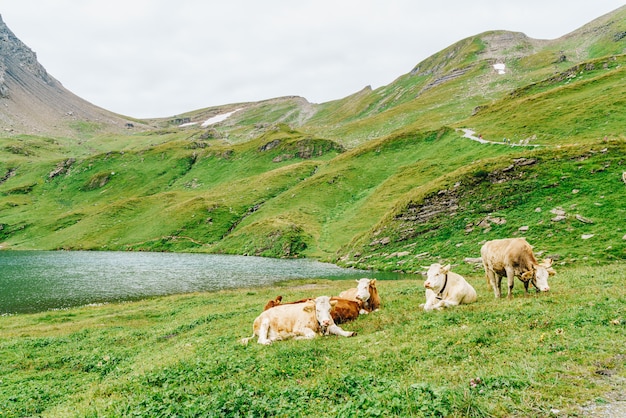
pixel 36 281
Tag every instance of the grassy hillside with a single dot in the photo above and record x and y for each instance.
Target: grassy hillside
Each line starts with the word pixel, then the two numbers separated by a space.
pixel 545 111
pixel 515 195
pixel 556 354
pixel 287 178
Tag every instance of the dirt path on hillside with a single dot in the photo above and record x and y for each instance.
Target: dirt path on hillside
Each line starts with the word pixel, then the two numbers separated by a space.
pixel 470 134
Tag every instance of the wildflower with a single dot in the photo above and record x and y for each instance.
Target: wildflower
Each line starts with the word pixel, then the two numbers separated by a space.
pixel 475 382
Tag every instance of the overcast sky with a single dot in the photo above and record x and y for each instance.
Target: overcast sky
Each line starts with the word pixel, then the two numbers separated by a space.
pixel 157 58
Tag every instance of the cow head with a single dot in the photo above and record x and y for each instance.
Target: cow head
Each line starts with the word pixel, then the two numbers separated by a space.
pixel 436 276
pixel 547 263
pixel 363 290
pixel 323 305
pixel 539 275
pixel 272 303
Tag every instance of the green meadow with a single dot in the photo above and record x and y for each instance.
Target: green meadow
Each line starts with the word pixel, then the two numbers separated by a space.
pixel 383 180
pixel 540 355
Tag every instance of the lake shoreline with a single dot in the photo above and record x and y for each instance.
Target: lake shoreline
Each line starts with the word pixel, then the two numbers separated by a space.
pixel 36 281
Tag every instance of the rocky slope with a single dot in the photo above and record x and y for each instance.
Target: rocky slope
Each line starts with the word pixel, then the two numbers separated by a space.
pixel 33 102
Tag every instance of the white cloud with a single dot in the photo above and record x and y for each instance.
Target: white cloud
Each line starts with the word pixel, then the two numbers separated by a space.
pixel 148 58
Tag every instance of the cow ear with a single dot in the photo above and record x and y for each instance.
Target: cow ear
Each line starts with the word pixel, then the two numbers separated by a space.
pixel 373 281
pixel 309 307
pixel 528 275
pixel 333 302
pixel 547 262
pixel 445 269
pixel 551 271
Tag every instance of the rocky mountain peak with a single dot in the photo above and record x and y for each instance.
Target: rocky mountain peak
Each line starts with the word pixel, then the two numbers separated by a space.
pixel 14 55
pixel 34 102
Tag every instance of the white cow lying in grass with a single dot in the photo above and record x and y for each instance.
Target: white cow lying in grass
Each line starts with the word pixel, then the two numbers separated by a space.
pixel 445 288
pixel 303 320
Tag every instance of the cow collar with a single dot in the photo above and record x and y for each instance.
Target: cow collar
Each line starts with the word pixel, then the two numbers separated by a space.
pixel 445 283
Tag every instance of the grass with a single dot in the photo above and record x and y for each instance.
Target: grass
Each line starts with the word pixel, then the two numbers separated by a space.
pixel 181 355
pixel 450 217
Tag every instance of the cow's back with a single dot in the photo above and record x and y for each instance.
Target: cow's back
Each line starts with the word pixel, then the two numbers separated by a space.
pixel 274 302
pixel 508 252
pixel 288 320
pixel 349 294
pixel 465 291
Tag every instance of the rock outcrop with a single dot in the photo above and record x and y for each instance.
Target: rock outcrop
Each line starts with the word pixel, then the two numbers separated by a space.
pixel 34 102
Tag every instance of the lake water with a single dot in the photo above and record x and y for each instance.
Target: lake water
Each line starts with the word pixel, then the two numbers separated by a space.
pixel 35 281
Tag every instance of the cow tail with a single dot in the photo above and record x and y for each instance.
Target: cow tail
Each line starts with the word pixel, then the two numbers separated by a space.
pixel 245 341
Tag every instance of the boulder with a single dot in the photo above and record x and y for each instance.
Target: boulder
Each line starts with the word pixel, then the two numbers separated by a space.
pixel 583 219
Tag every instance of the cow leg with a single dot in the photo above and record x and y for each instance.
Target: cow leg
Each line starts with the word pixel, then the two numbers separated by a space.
pixel 264 330
pixel 336 330
pixel 448 303
pixel 510 276
pixel 438 304
pixel 526 286
pixel 430 300
pixel 307 334
pixel 494 281
pixel 497 282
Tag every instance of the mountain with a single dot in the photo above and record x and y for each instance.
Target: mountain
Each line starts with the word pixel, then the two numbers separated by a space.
pixel 34 102
pixel 387 178
pixel 449 88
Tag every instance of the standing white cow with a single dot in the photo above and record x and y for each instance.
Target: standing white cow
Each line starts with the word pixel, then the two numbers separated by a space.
pixel 300 321
pixel 445 288
pixel 512 257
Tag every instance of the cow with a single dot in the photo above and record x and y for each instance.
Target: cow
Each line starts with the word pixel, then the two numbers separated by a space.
pixel 445 288
pixel 365 292
pixel 343 310
pixel 513 257
pixel 273 302
pixel 298 320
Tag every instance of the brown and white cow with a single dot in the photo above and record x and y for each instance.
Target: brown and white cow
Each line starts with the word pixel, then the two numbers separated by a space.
pixel 299 320
pixel 513 257
pixel 343 310
pixel 365 292
pixel 445 288
pixel 273 302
